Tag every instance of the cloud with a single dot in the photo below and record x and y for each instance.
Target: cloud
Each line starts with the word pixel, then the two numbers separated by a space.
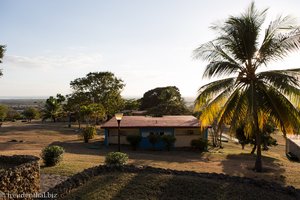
pixel 74 61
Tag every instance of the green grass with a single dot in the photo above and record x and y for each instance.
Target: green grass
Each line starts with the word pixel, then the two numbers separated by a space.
pixel 122 185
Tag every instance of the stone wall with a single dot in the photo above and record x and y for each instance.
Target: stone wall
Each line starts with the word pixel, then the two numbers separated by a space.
pixel 22 176
pixel 63 189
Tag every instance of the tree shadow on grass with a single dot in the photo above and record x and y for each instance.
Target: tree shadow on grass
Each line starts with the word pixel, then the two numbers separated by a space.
pixel 79 147
pixel 164 186
pixel 38 127
pixel 139 157
pixel 149 185
pixel 243 165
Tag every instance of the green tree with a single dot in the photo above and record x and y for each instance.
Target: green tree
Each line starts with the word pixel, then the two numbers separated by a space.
pixel 73 106
pixel 12 114
pixel 102 88
pixel 248 95
pixel 266 139
pixel 3 112
pixel 163 101
pixel 94 111
pixel 30 113
pixel 53 107
pixel 131 104
pixel 2 50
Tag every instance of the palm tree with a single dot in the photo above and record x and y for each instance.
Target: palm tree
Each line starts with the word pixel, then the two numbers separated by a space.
pixel 244 95
pixel 53 107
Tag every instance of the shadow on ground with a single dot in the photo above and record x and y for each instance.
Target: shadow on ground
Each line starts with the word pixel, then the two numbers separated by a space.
pixel 243 165
pixel 121 185
pixel 137 157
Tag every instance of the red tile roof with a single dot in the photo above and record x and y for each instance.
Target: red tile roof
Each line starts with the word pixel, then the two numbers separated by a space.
pixel 176 121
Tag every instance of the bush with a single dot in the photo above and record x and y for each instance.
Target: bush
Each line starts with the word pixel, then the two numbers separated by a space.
pixel 116 159
pixel 200 144
pixel 168 140
pixel 88 133
pixel 134 140
pixel 52 155
pixel 153 139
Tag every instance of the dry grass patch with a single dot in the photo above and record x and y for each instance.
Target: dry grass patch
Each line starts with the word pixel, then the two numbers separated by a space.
pixel 122 185
pixel 231 159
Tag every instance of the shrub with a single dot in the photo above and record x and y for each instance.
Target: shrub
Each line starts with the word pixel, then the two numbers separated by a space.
pixel 134 140
pixel 168 140
pixel 116 159
pixel 153 139
pixel 88 133
pixel 200 144
pixel 52 155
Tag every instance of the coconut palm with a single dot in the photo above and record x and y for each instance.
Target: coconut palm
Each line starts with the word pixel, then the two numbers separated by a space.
pixel 246 95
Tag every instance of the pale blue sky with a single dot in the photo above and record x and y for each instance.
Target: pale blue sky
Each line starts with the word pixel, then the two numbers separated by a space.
pixel 146 43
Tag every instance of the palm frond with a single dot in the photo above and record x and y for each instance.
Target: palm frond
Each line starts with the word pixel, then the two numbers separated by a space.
pixel 280 109
pixel 285 81
pixel 281 36
pixel 227 111
pixel 206 92
pixel 211 110
pixel 241 112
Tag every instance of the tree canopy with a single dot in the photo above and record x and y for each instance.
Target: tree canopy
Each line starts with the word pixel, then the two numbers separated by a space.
pixel 53 107
pixel 3 112
pixel 101 88
pixel 30 113
pixel 244 95
pixel 163 101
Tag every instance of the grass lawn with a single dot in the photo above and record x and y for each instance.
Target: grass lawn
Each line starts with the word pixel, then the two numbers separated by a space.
pixel 231 160
pixel 122 185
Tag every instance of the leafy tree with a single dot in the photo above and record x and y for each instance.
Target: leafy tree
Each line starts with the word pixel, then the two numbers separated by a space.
pixel 12 114
pixel 73 106
pixel 248 95
pixel 30 113
pixel 53 107
pixel 88 133
pixel 163 101
pixel 131 104
pixel 102 88
pixel 93 111
pixel 2 50
pixel 266 138
pixel 3 112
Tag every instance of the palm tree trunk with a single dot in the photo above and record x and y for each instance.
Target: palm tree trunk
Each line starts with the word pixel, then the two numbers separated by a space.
pixel 258 162
pixel 253 149
pixel 221 139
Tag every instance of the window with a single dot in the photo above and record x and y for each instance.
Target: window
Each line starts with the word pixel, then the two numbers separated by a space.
pixel 145 134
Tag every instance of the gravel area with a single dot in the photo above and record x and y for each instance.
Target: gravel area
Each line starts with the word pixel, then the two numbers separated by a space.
pixel 50 180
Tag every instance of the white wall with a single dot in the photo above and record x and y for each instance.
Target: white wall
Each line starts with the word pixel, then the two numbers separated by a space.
pixel 184 136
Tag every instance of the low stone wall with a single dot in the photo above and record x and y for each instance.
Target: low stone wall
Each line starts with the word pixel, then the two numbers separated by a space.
pixel 81 178
pixel 22 176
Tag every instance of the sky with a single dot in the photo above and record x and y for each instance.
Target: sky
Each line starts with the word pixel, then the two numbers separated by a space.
pixel 146 43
